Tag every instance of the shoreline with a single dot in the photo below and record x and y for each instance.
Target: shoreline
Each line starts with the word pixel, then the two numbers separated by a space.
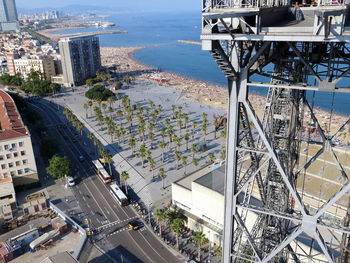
pixel 204 92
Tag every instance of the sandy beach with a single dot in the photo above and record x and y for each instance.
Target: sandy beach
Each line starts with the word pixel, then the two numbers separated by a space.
pixel 200 91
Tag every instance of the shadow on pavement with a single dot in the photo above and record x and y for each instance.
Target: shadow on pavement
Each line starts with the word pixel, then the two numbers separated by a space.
pixel 119 254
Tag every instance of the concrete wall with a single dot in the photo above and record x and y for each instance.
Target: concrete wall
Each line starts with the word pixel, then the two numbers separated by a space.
pixel 208 204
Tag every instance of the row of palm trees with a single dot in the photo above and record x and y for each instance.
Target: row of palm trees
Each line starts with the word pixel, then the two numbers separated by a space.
pixel 176 225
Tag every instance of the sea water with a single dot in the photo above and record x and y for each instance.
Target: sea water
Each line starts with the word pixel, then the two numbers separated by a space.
pixel 162 30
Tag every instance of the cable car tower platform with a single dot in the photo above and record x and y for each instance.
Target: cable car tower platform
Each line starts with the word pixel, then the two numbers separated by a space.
pixel 291 50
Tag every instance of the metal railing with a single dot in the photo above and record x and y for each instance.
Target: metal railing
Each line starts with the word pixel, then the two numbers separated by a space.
pixel 210 5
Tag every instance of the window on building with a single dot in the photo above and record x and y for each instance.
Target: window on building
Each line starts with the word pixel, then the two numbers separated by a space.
pixel 20 144
pixel 23 153
pixel 19 171
pixel 15 155
pixel 26 170
pixel 10 165
pixel 8 156
pixel 1 157
pixel 13 145
pixel 24 162
pixel 18 163
pixel 5 175
pixel 12 173
pixel 6 147
pixel 3 166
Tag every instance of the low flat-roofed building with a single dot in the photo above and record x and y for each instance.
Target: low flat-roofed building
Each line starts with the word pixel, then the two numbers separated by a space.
pixel 201 199
pixel 63 257
pixel 16 151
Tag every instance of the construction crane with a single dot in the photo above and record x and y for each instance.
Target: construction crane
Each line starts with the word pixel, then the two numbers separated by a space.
pixel 276 208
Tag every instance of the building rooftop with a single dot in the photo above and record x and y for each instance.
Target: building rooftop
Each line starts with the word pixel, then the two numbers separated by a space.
pixel 214 180
pixel 11 124
pixel 212 177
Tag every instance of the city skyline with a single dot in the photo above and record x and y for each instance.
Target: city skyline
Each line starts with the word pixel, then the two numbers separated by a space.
pixel 154 5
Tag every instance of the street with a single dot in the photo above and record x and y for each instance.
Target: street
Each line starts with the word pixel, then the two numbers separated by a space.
pixel 96 205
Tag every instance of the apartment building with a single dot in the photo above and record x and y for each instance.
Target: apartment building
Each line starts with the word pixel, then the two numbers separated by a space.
pixel 81 59
pixel 8 16
pixel 17 162
pixel 44 64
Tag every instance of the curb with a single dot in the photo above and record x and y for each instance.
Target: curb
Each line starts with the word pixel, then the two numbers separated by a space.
pixel 170 249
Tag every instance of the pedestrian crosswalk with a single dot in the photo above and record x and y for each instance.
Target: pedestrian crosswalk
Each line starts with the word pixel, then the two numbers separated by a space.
pixel 108 225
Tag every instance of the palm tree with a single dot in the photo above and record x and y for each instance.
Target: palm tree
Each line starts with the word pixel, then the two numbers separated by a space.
pixel 132 143
pixel 173 108
pixel 223 133
pixel 176 227
pixel 104 107
pixel 80 126
pixel 216 124
pixel 97 143
pixel 151 138
pixel 102 152
pixel 177 142
pixel 195 162
pixel 124 176
pixel 187 138
pixel 179 125
pixel 199 239
pixel 163 133
pixel 223 154
pixel 162 145
pixel 186 119
pixel 211 157
pixel 117 134
pixel 90 103
pixel 110 110
pixel 194 126
pixel 142 152
pixel 178 159
pixel 184 163
pixel 194 150
pixel 162 175
pixel 91 136
pixel 204 117
pixel 160 217
pixel 110 100
pixel 108 159
pixel 170 133
pixel 167 122
pixel 86 107
pixel 152 165
pixel 204 129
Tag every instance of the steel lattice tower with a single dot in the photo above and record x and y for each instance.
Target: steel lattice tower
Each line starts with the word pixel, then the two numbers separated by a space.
pixel 295 50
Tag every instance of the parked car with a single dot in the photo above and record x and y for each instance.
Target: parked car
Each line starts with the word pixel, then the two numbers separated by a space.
pixel 81 158
pixel 70 181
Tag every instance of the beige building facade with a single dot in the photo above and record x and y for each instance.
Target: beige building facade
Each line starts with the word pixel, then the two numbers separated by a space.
pixel 17 160
pixel 45 65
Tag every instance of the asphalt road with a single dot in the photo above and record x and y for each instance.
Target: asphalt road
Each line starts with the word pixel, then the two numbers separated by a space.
pixel 97 204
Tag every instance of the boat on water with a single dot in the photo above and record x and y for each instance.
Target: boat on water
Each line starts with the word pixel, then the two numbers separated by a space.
pixel 104 24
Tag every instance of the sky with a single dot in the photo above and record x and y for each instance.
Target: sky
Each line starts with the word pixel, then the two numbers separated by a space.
pixel 159 5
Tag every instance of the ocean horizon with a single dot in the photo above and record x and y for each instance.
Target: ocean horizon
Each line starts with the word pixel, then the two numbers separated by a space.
pixel 164 31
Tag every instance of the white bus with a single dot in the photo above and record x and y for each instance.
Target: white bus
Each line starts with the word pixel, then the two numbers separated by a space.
pixel 102 173
pixel 119 195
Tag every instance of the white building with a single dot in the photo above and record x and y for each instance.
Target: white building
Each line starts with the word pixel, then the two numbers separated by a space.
pixel 200 197
pixel 45 65
pixel 16 152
